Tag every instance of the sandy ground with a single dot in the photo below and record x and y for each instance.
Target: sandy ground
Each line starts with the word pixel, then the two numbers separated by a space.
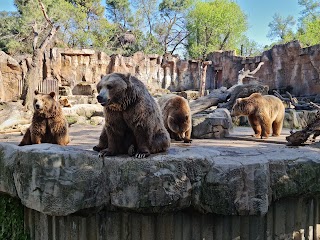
pixel 87 136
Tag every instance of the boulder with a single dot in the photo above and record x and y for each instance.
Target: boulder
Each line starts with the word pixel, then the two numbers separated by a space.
pixel 224 177
pixel 217 124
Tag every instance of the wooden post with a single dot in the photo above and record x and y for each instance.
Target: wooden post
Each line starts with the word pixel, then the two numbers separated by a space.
pixel 203 77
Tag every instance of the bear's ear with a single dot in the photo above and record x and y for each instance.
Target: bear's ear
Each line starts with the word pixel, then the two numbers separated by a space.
pixel 238 101
pixel 52 94
pixel 129 78
pixel 36 92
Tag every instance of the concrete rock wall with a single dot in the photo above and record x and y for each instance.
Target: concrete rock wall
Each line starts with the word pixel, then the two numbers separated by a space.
pixel 10 73
pixel 286 67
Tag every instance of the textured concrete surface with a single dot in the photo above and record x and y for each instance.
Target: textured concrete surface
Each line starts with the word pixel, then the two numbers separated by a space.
pixel 232 176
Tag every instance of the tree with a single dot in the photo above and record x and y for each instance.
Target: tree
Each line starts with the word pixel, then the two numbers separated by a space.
pixel 149 17
pixel 311 8
pixel 309 30
pixel 118 11
pixel 10 39
pixel 33 76
pixel 214 25
pixel 249 47
pixel 281 28
pixel 82 24
pixel 171 29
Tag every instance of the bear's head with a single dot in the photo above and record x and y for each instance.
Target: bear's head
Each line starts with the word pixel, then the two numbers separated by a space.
pixel 179 123
pixel 242 107
pixel 45 105
pixel 64 102
pixel 116 91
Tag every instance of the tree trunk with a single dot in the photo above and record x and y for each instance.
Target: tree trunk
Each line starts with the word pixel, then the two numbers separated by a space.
pixel 203 77
pixel 34 74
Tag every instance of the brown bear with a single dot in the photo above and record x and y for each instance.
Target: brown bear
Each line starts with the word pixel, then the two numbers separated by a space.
pixel 48 123
pixel 64 102
pixel 176 116
pixel 133 120
pixel 265 112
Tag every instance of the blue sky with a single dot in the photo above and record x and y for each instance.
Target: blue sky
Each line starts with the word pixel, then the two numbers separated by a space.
pixel 259 14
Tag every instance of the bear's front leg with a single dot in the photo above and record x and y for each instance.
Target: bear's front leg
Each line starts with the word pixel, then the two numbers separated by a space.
pixel 255 124
pixel 106 153
pixel 103 141
pixel 187 138
pixel 142 140
pixel 265 127
pixel 36 139
pixel 26 140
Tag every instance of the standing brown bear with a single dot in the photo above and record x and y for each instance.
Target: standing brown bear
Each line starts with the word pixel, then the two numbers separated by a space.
pixel 264 113
pixel 133 121
pixel 176 116
pixel 48 123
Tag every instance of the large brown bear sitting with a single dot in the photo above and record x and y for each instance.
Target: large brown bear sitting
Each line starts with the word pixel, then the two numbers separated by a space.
pixel 48 123
pixel 176 116
pixel 132 118
pixel 264 113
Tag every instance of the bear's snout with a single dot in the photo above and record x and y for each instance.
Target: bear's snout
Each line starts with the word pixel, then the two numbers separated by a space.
pixel 101 100
pixel 37 106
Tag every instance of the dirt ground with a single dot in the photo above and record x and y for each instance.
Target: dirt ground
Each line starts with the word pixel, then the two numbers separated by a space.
pixel 87 136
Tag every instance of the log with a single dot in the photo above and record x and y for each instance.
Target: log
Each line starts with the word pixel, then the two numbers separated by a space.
pixel 300 137
pixel 241 91
pixel 292 102
pixel 225 98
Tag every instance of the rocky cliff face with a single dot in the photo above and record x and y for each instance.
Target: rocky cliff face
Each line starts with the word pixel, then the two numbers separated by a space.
pixel 10 73
pixel 286 67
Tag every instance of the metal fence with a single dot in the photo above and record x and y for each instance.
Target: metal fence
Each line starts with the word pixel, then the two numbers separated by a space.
pixel 45 86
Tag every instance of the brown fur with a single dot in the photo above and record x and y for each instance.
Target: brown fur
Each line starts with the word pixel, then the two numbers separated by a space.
pixel 264 113
pixel 48 123
pixel 64 102
pixel 132 118
pixel 176 117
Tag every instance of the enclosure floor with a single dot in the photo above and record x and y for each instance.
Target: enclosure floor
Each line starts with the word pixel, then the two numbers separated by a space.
pixel 87 136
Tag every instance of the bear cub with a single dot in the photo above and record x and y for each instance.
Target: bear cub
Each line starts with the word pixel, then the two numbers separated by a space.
pixel 176 116
pixel 48 122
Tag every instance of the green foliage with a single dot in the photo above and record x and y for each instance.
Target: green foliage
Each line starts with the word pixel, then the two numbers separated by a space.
pixel 10 38
pixel 214 25
pixel 249 47
pixel 11 219
pixel 119 12
pixel 81 22
pixel 281 28
pixel 308 33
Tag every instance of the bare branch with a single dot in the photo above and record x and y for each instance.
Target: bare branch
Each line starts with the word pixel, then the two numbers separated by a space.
pixel 315 105
pixel 45 13
pixel 35 35
pixel 278 95
pixel 292 99
pixel 49 37
pixel 247 73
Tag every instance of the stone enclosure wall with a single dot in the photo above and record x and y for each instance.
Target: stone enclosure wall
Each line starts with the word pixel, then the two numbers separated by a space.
pixel 286 67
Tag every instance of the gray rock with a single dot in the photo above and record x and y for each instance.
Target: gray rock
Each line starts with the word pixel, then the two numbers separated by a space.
pixel 217 124
pixel 224 177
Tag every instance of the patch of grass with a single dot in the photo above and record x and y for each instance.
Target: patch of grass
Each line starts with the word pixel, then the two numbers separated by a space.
pixel 11 219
